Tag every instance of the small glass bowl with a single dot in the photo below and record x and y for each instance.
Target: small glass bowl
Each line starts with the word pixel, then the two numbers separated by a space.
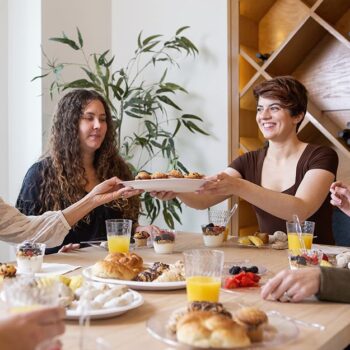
pixel 164 242
pixel 308 258
pixel 213 235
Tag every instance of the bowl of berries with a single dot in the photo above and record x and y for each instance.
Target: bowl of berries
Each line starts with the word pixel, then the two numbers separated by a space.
pixel 213 235
pixel 304 258
pixel 30 256
pixel 164 241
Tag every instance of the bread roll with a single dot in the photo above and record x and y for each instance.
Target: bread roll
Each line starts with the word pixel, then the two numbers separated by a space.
pixel 123 266
pixel 205 329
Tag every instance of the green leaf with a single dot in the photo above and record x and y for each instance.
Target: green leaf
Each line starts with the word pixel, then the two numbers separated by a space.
pixel 147 40
pixel 139 40
pixel 101 60
pixel 168 218
pixel 168 101
pixel 191 116
pixel 173 86
pixel 194 128
pixel 178 125
pixel 80 38
pixel 67 41
pixel 181 29
pixel 133 115
pixel 182 167
pixel 150 47
pixel 91 75
pixel 80 83
pixel 163 76
pixel 40 76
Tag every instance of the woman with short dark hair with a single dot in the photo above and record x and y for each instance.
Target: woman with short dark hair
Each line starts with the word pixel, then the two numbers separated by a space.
pixel 287 176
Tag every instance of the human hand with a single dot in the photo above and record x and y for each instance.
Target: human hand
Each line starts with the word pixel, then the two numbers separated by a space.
pixel 111 189
pixel 150 229
pixel 340 196
pixel 163 195
pixel 295 284
pixel 69 247
pixel 27 330
pixel 220 184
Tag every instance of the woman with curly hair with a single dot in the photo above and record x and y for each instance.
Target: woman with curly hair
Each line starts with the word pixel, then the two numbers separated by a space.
pixel 82 153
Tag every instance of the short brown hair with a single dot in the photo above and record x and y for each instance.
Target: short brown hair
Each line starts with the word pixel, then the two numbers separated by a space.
pixel 291 93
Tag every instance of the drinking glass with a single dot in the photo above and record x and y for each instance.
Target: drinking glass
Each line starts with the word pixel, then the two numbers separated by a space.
pixel 220 218
pixel 30 257
pixel 203 269
pixel 307 228
pixel 118 235
pixel 25 294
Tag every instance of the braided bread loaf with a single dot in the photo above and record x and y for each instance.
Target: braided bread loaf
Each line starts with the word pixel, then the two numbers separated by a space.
pixel 123 266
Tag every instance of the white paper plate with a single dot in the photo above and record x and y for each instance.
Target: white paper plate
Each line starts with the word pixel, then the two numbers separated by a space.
pixel 174 185
pixel 110 312
pixel 136 284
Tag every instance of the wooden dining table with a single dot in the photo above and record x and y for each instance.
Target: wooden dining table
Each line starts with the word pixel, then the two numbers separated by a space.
pixel 128 331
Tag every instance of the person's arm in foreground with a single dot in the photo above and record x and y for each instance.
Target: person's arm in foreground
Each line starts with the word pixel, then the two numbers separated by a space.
pixel 27 330
pixel 308 198
pixel 52 227
pixel 327 283
pixel 340 196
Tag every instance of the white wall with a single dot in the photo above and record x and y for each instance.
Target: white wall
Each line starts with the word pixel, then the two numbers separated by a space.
pixel 205 77
pixel 93 18
pixel 20 131
pixel 24 105
pixel 3 100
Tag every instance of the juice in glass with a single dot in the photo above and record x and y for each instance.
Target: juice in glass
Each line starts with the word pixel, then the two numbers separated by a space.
pixel 294 243
pixel 203 288
pixel 118 244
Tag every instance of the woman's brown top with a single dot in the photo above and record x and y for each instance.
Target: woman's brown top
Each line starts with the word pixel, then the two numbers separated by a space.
pixel 250 166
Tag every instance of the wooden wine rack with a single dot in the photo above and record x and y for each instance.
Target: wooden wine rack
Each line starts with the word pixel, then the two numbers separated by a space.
pixel 308 39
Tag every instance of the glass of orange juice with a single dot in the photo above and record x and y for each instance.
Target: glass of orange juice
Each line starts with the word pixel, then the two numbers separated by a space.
pixel 118 235
pixel 203 268
pixel 307 228
pixel 25 293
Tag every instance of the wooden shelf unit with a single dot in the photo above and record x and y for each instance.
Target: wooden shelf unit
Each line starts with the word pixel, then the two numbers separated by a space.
pixel 308 39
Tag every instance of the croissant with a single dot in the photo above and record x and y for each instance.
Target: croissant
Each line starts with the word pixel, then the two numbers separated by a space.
pixel 108 269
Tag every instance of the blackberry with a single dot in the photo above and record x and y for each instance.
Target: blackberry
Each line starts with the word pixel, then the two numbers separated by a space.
pixel 234 270
pixel 301 260
pixel 253 269
pixel 210 225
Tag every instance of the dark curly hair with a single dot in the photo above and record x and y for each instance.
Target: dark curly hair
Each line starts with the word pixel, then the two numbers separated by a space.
pixel 64 177
pixel 291 93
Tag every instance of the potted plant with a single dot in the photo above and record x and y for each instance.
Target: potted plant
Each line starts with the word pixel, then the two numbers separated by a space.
pixel 129 96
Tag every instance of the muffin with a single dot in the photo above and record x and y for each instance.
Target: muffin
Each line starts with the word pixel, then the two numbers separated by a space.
pixel 159 175
pixel 193 175
pixel 143 175
pixel 254 321
pixel 141 238
pixel 175 174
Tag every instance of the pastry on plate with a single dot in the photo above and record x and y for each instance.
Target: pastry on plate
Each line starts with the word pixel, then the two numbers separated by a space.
pixel 141 238
pixel 159 175
pixel 253 320
pixel 175 174
pixel 143 175
pixel 193 175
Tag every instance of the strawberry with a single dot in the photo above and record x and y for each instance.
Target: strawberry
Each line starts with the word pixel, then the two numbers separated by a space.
pixel 325 257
